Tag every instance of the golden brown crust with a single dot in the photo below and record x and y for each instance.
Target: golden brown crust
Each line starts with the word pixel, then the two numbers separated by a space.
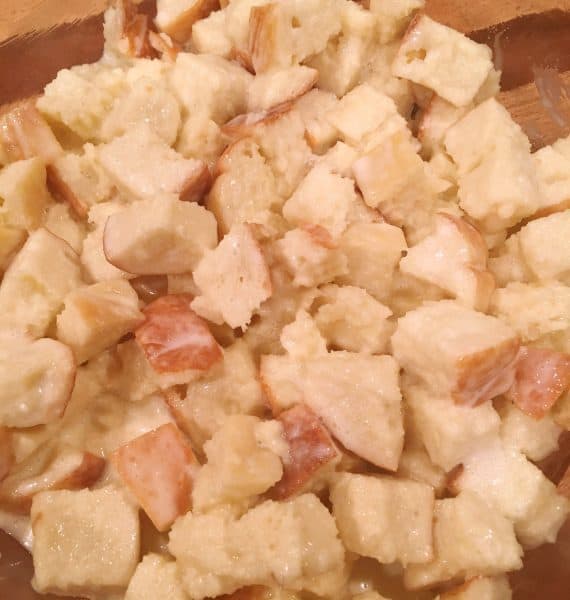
pixel 62 191
pixel 181 28
pixel 245 125
pixel 263 23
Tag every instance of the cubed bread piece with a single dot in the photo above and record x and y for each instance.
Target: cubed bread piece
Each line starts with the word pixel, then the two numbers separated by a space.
pixel 453 257
pixel 210 36
pixel 541 377
pixel 233 279
pixel 416 464
pixel 11 241
pixel 24 197
pixel 60 221
pixel 311 256
pixel 533 311
pixel 350 319
pixel 480 588
pixel 144 166
pixel 155 577
pixel 301 338
pixel 285 34
pixel 374 251
pixel 238 468
pixel 449 432
pixel 81 96
pixel 394 17
pixel 49 467
pixel 45 270
pixel 230 389
pixel 97 316
pixel 444 60
pixel 210 84
pixel 517 489
pixel 311 452
pixel 469 537
pixel 148 101
pixel 174 338
pixel 497 182
pixel 313 107
pixel 158 468
pixel 507 263
pixel 457 351
pixel 545 247
pixel 275 543
pixel 273 88
pixel 159 235
pixel 322 198
pixel 553 173
pixel 435 121
pixel 339 159
pixel 200 138
pixel 367 421
pixel 176 17
pixel 85 542
pixel 535 438
pixel 387 519
pixel 236 198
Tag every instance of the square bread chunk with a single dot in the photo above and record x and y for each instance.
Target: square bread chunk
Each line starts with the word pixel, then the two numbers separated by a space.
pixel 156 577
pixel 457 351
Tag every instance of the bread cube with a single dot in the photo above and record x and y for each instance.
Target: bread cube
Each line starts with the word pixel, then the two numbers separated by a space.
pixel 238 469
pixel 280 379
pixel 313 108
pixel 535 438
pixel 387 519
pixel 444 60
pixel 373 251
pixel 552 170
pixel 469 537
pixel 210 36
pixel 270 89
pixel 311 452
pixel 98 316
pixel 537 241
pixel 155 577
pixel 50 467
pixel 302 338
pixel 480 588
pixel 158 468
pixel 394 17
pixel 11 241
pixel 466 354
pixel 236 199
pixel 517 489
pixel 61 223
pixel 339 159
pixel 24 196
pixel 322 198
pixel 351 319
pixel 200 138
pixel 159 235
pixel 85 542
pixel 232 388
pixel 283 543
pixel 144 166
pixel 45 270
pixel 449 431
pixel 454 258
pixel 416 464
pixel 176 17
pixel 233 279
pixel 507 263
pixel 435 121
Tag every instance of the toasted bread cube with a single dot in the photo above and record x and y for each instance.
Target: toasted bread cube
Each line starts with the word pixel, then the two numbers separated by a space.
pixel 45 270
pixel 155 577
pixel 480 588
pixel 454 258
pixel 322 198
pixel 98 316
pixel 466 354
pixel 238 469
pixel 448 431
pixel 313 107
pixel 159 235
pixel 233 278
pixel 387 519
pixel 351 319
pixel 144 166
pixel 158 468
pixel 541 377
pixel 49 468
pixel 11 241
pixel 285 542
pixel 24 196
pixel 237 199
pixel 148 101
pixel 270 89
pixel 444 60
pixel 469 537
pixel 302 338
pixel 85 542
pixel 517 489
pixel 174 338
pixel 373 251
pixel 535 438
pixel 176 17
